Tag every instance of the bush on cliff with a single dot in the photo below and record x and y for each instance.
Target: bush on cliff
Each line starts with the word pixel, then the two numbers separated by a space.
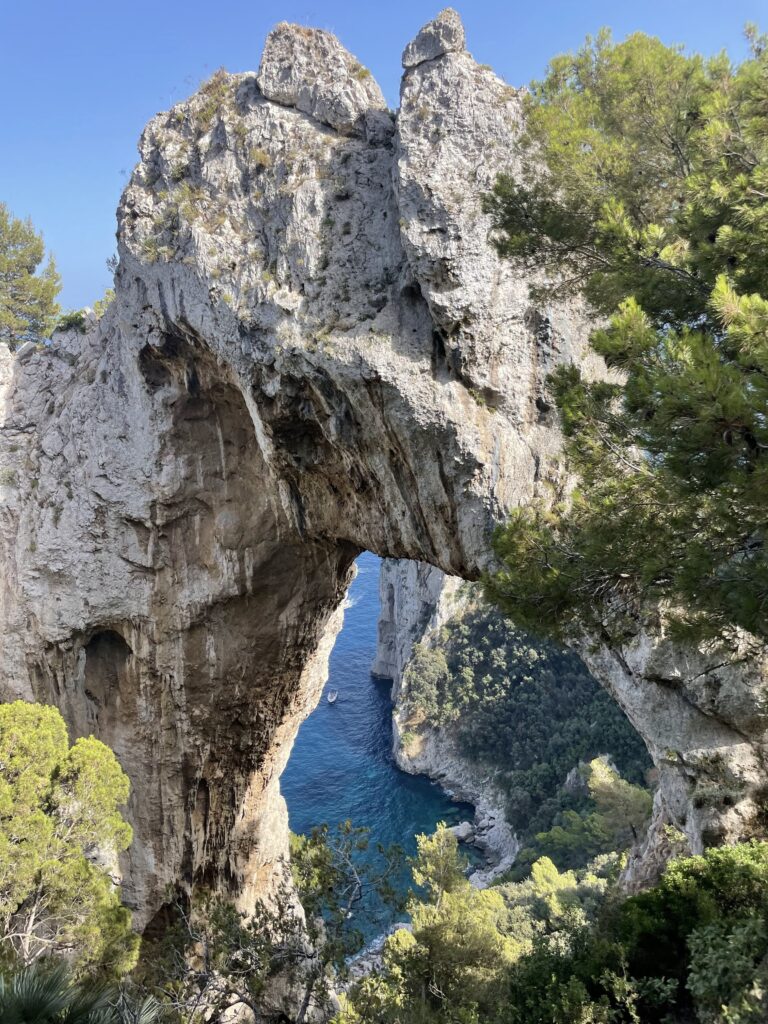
pixel 564 948
pixel 214 963
pixel 522 707
pixel 613 816
pixel 694 948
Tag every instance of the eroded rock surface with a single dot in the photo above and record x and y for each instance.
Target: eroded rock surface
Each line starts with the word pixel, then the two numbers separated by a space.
pixel 310 70
pixel 313 350
pixel 445 34
pixel 704 718
pixel 415 599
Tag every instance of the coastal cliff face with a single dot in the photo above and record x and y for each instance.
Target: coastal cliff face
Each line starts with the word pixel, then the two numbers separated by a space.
pixel 416 601
pixel 313 350
pixel 704 717
pixel 433 752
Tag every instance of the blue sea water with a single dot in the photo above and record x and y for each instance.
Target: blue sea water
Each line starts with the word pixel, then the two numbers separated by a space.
pixel 341 766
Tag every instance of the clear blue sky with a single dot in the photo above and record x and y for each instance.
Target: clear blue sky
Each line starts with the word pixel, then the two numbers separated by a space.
pixel 80 78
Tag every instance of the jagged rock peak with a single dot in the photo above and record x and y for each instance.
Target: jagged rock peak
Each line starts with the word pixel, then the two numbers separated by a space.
pixel 309 69
pixel 444 34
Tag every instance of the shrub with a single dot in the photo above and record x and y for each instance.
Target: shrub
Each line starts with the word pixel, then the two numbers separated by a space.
pixel 73 321
pixel 59 804
pixel 260 157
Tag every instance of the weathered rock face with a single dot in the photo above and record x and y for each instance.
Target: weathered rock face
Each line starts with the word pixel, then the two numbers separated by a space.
pixel 416 599
pixel 313 350
pixel 142 591
pixel 704 718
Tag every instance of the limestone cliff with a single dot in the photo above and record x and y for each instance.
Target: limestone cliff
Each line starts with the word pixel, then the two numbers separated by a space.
pixel 313 350
pixel 704 718
pixel 416 601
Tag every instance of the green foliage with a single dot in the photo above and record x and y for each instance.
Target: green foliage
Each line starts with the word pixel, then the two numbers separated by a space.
pixel 549 900
pixel 34 995
pixel 215 95
pixel 426 683
pixel 644 191
pixel 28 308
pixel 692 948
pixel 213 960
pixel 341 880
pixel 525 708
pixel 438 867
pixel 614 817
pixel 446 967
pixel 47 994
pixel 565 948
pixel 454 963
pixel 102 305
pixel 721 887
pixel 729 965
pixel 58 807
pixel 74 320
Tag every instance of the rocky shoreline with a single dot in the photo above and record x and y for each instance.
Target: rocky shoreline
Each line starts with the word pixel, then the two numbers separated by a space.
pixel 432 752
pixel 416 601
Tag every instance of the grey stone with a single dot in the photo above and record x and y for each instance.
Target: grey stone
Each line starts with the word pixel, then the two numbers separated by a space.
pixel 26 350
pixel 464 831
pixel 310 70
pixel 444 34
pixel 314 349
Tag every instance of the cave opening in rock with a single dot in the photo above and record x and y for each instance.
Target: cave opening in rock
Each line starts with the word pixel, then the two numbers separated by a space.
pixel 106 656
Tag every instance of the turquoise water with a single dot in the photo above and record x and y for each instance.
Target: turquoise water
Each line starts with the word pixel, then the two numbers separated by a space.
pixel 341 766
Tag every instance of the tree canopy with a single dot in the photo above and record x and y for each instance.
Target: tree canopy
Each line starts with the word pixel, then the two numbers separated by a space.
pixel 28 308
pixel 644 192
pixel 565 948
pixel 59 812
pixel 526 709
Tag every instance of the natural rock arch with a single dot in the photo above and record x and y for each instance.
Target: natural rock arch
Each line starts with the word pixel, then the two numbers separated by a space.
pixel 313 350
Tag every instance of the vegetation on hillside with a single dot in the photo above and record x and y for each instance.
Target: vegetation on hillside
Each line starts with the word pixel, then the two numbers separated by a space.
pixel 563 948
pixel 67 951
pixel 604 815
pixel 28 308
pixel 644 192
pixel 526 710
pixel 213 960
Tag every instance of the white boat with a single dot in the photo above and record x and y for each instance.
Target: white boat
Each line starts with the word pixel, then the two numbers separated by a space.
pixel 332 695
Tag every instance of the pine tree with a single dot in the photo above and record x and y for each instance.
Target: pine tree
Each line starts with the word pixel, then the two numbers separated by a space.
pixel 58 806
pixel 28 307
pixel 645 192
